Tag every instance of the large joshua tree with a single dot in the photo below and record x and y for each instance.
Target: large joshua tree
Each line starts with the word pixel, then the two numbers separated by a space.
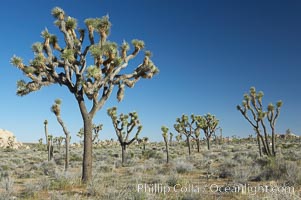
pixel 56 109
pixel 124 125
pixel 253 111
pixel 66 65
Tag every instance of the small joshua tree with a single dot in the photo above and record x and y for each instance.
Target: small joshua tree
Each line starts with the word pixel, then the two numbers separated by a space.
pixel 49 142
pixel 124 125
pixel 56 109
pixel 208 124
pixel 95 132
pixel 67 64
pixel 144 141
pixel 190 128
pixel 58 141
pixel 253 111
pixel 165 137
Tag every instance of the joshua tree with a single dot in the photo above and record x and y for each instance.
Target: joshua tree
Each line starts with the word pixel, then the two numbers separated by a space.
pixel 40 144
pixel 49 142
pixel 208 124
pixel 253 111
pixel 123 128
pixel 58 141
pixel 144 142
pixel 188 128
pixel 56 109
pixel 50 147
pixel 95 132
pixel 164 134
pixel 67 66
pixel 179 137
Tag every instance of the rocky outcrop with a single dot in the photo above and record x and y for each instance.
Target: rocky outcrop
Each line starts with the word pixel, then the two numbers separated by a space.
pixel 8 140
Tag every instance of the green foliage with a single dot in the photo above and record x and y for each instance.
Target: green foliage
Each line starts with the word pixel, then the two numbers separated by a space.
pixel 56 107
pixel 102 24
pixel 110 48
pixel 138 44
pixel 68 54
pixel 57 11
pixel 90 22
pixel 45 34
pixel 93 72
pixel 16 61
pixel 37 47
pixel 96 51
pixel 71 23
pixel 29 70
pixel 125 46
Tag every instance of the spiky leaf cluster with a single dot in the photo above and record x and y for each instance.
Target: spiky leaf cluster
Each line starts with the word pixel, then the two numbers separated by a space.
pixel 139 44
pixel 71 23
pixel 57 11
pixel 56 107
pixel 93 72
pixel 164 130
pixel 102 24
pixel 68 54
pixel 45 34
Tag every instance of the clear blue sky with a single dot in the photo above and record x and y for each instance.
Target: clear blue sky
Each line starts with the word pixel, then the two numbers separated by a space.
pixel 209 54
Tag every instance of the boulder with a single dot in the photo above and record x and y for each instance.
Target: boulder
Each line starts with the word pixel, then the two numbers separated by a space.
pixel 8 140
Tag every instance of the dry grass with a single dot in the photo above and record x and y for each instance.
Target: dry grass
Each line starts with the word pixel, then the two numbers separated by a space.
pixel 25 174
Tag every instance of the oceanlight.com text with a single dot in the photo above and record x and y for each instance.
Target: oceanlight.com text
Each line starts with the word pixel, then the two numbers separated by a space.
pixel 213 188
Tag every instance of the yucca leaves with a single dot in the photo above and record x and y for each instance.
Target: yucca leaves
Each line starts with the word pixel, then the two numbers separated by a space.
pixel 138 43
pixel 57 11
pixel 37 47
pixel 16 61
pixel 68 54
pixel 71 23
pixel 93 72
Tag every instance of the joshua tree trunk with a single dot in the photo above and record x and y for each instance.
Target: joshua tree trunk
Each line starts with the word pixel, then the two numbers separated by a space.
pixel 123 152
pixel 67 141
pixel 47 141
pixel 188 145
pixel 259 146
pixel 208 142
pixel 273 142
pixel 87 156
pixel 198 144
pixel 167 153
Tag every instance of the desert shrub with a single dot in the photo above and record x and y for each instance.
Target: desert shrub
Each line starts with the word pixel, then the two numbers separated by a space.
pixel 104 168
pixel 275 169
pixel 225 170
pixel 293 173
pixel 75 157
pixel 30 190
pixel 64 180
pixel 48 168
pixel 183 167
pixel 241 173
pixel 7 185
pixel 147 154
pixel 173 180
pixel 44 183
